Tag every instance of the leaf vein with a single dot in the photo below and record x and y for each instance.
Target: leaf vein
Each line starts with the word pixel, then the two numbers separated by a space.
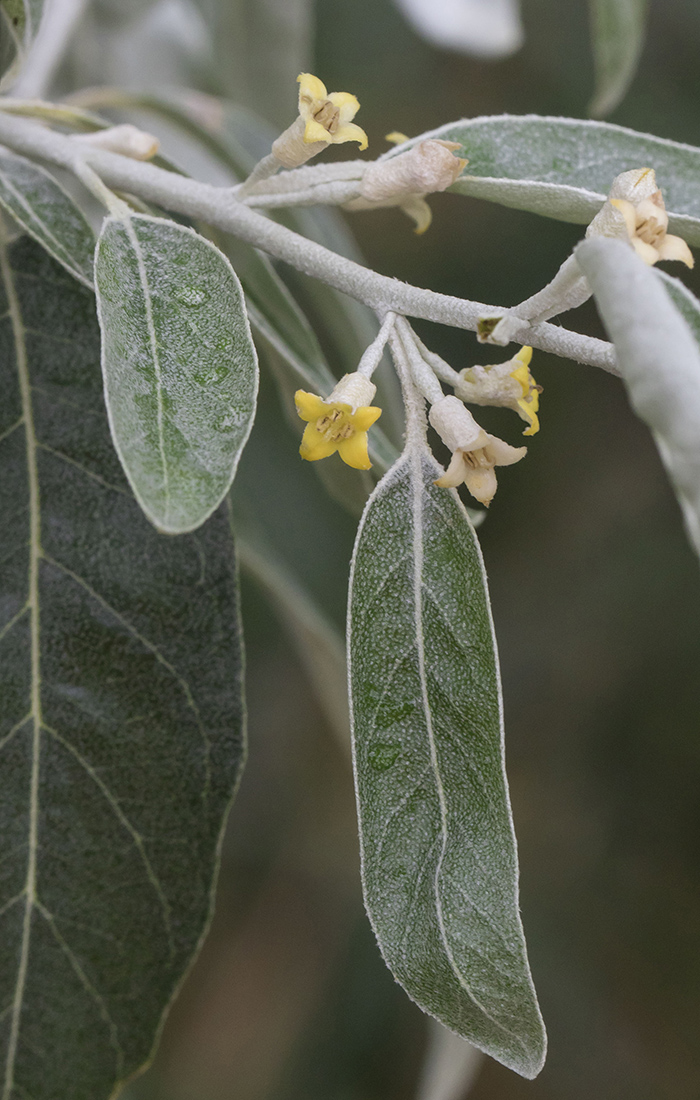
pixel 88 986
pixel 135 835
pixel 418 551
pixel 13 428
pixel 83 469
pixel 152 648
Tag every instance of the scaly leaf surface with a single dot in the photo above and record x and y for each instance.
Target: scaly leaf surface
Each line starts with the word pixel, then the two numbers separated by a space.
pixel 439 860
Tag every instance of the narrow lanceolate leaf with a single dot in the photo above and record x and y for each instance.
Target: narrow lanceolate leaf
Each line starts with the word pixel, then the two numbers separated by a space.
pixel 44 210
pixel 19 24
pixel 179 365
pixel 121 734
pixel 654 323
pixel 617 29
pixel 438 849
pixel 563 167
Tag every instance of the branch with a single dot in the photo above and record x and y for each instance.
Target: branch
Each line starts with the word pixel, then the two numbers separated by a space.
pixel 219 207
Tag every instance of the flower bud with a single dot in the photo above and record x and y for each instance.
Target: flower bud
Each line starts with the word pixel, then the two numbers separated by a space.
pixel 125 139
pixel 426 167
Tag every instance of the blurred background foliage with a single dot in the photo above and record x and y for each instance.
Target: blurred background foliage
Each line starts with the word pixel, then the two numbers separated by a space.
pixel 595 594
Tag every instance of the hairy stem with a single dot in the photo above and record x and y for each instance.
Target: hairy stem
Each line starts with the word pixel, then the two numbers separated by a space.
pixel 219 207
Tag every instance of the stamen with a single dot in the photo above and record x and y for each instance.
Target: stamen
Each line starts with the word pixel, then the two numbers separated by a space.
pixel 328 116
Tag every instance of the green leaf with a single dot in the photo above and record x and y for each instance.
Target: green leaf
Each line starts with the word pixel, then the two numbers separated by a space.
pixel 654 323
pixel 44 210
pixel 19 24
pixel 563 167
pixel 438 850
pixel 121 725
pixel 617 28
pixel 235 137
pixel 179 366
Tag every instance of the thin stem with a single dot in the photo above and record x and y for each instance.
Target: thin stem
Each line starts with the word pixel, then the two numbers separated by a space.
pixel 334 193
pixel 414 402
pixel 219 207
pixel 372 356
pixel 421 373
pixel 265 168
pixel 87 175
pixel 442 369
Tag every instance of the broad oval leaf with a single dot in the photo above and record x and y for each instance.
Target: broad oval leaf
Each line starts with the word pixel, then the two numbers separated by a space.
pixel 439 861
pixel 562 168
pixel 617 29
pixel 179 365
pixel 19 25
pixel 43 209
pixel 647 317
pixel 121 725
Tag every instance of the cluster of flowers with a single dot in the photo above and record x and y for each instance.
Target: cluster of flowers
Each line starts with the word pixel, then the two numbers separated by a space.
pixel 634 212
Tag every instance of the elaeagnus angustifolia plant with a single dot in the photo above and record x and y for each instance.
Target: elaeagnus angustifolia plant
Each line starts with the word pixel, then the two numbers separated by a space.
pixel 122 726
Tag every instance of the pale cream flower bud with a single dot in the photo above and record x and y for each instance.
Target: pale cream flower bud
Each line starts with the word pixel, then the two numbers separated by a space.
pixel 125 139
pixel 428 166
pixel 405 180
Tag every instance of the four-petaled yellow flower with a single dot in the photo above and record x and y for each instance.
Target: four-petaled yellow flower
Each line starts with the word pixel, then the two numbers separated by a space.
pixel 323 120
pixel 340 423
pixel 635 211
pixel 509 384
pixel 328 118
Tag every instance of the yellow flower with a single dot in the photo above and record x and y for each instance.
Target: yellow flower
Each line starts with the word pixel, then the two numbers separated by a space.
pixel 339 423
pixel 475 453
pixel 635 211
pixel 508 384
pixel 328 118
pixel 323 120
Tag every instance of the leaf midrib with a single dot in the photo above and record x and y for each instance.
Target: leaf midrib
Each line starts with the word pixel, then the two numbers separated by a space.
pixel 35 710
pixel 153 341
pixel 417 486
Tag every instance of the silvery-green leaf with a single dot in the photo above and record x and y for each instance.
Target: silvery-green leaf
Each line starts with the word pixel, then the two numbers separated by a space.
pixel 480 28
pixel 647 318
pixel 617 28
pixel 44 210
pixel 19 24
pixel 179 366
pixel 121 725
pixel 563 167
pixel 439 861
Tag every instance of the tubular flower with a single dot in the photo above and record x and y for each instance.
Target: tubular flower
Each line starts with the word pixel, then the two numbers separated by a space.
pixel 340 423
pixel 635 211
pixel 405 180
pixel 509 384
pixel 475 453
pixel 323 120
